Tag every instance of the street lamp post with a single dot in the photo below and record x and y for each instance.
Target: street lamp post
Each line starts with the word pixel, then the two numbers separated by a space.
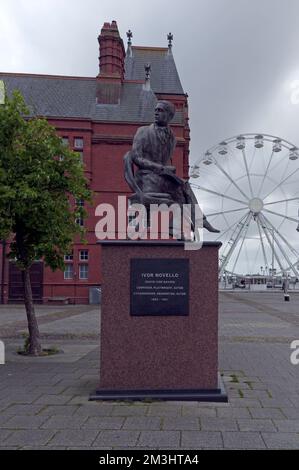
pixel 273 258
pixel 285 286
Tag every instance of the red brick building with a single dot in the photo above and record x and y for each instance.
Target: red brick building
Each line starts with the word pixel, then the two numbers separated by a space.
pixel 98 117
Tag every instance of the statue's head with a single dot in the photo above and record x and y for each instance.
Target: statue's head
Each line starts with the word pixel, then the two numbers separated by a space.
pixel 164 112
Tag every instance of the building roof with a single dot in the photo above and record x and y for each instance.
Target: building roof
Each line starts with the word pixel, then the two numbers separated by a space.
pixel 164 75
pixel 69 97
pixel 75 97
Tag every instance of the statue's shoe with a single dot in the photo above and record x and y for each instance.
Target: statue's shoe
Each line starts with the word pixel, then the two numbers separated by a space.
pixel 209 227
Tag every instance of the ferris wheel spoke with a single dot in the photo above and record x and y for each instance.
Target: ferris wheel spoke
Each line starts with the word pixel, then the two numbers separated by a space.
pixel 235 158
pixel 226 212
pixel 224 240
pixel 282 215
pixel 254 261
pixel 295 252
pixel 233 244
pixel 218 194
pixel 247 258
pixel 252 159
pixel 242 242
pixel 262 242
pixel 282 200
pixel 281 247
pixel 281 182
pixel 230 179
pixel 265 230
pixel 284 156
pixel 265 174
pixel 247 172
pixel 230 227
pixel 292 250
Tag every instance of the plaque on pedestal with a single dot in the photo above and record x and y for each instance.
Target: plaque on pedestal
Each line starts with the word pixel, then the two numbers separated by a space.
pixel 159 286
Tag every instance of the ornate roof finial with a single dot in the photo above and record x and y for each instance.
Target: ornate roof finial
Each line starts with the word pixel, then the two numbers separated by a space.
pixel 147 85
pixel 129 36
pixel 147 69
pixel 129 50
pixel 170 39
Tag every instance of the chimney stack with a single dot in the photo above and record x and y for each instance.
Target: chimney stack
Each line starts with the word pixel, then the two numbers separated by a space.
pixel 112 65
pixel 112 53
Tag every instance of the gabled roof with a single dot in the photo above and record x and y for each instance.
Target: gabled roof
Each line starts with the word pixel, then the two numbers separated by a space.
pixel 164 76
pixel 75 97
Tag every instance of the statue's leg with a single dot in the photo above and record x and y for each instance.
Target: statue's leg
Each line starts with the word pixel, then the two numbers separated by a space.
pixel 191 199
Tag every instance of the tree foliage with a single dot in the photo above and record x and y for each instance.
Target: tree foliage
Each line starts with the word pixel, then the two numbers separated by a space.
pixel 40 181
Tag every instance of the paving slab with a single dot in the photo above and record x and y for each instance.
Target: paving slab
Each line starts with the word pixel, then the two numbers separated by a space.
pixel 158 439
pixel 73 437
pixel 202 440
pixel 243 440
pixel 30 437
pixel 117 438
pixel 142 423
pixel 281 440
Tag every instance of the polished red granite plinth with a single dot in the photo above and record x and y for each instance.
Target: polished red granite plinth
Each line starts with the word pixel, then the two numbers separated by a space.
pixel 159 356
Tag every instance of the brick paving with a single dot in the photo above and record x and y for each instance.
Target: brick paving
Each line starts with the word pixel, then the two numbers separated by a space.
pixel 44 401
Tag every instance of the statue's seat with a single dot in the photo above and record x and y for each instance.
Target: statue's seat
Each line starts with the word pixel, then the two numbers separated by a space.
pixel 140 197
pixel 150 198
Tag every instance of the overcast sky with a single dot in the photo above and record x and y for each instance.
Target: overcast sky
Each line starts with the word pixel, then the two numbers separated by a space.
pixel 237 59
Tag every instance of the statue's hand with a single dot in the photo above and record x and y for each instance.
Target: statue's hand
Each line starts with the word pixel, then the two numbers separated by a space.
pixel 169 169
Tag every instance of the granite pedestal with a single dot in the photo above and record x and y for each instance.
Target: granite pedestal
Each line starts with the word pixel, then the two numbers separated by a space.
pixel 162 356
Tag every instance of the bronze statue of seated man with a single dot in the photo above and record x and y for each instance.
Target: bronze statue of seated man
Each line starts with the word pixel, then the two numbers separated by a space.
pixel 155 181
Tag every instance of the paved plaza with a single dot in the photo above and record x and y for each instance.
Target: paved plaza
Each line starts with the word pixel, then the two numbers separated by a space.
pixel 44 401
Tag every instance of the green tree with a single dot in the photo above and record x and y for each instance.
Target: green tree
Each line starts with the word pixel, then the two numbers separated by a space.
pixel 40 180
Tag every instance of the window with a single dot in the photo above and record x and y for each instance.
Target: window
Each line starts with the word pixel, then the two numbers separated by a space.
pixel 83 271
pixel 68 271
pixel 78 142
pixel 80 221
pixel 65 141
pixel 69 257
pixel 80 153
pixel 83 255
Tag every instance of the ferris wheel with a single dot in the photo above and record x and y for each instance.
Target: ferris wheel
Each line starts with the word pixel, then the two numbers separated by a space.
pixel 248 187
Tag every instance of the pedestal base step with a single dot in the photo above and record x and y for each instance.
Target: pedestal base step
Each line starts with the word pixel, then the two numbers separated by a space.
pixel 207 395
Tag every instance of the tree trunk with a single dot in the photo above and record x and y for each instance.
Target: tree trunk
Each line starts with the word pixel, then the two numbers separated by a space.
pixel 34 338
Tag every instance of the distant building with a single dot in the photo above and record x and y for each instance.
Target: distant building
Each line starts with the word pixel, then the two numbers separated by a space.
pixel 98 117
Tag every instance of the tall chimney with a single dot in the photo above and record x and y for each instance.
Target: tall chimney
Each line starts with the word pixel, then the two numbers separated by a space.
pixel 112 52
pixel 112 65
